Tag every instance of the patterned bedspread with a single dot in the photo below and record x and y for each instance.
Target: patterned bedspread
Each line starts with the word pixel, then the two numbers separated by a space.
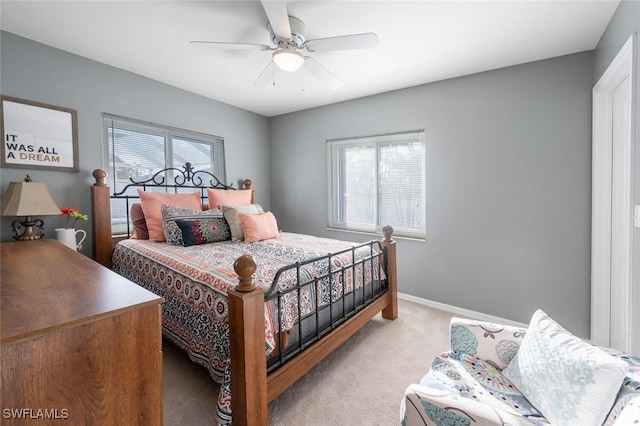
pixel 194 282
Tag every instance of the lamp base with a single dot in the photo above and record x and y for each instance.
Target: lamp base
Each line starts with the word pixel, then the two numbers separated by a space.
pixel 28 234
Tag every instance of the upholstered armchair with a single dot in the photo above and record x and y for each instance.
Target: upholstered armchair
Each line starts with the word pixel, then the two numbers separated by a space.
pixel 570 381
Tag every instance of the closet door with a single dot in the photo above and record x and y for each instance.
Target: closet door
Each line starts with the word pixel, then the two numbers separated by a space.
pixel 612 307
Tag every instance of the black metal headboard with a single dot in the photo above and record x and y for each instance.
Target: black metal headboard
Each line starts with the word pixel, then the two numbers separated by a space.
pixel 177 178
pixel 186 177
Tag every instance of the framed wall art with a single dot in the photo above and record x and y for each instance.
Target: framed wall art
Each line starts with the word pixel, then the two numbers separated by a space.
pixel 38 136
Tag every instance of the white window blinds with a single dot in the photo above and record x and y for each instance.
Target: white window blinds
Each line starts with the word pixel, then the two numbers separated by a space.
pixel 136 150
pixel 376 181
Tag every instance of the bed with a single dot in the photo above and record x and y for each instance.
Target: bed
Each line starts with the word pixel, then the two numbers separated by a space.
pixel 256 312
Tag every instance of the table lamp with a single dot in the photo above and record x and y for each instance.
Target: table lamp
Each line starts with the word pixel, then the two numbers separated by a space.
pixel 28 199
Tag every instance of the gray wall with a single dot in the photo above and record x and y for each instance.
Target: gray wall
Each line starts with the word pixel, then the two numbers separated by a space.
pixel 33 71
pixel 508 159
pixel 508 168
pixel 624 23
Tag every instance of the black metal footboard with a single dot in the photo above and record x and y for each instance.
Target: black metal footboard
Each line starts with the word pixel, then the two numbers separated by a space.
pixel 340 285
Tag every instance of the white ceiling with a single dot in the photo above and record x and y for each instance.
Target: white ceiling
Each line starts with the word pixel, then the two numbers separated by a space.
pixel 419 41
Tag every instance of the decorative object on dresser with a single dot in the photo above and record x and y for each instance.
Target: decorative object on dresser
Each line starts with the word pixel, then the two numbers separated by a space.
pixel 233 303
pixel 28 199
pixel 78 342
pixel 68 235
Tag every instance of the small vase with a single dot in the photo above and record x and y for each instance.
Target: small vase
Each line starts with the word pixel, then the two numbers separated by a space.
pixel 67 236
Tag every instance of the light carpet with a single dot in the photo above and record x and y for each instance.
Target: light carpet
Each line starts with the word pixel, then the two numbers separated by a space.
pixel 360 383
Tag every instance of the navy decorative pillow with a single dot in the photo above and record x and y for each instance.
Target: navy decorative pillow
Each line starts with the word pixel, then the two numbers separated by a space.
pixel 203 230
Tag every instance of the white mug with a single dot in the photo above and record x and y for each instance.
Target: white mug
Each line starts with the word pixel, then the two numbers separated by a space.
pixel 67 236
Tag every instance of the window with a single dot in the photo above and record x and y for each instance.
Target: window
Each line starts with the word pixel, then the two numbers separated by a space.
pixel 137 150
pixel 376 181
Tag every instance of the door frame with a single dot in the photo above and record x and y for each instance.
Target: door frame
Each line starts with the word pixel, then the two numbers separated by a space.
pixel 621 67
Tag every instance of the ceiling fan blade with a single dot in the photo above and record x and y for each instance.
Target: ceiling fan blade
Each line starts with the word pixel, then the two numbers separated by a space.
pixel 321 73
pixel 276 11
pixel 229 45
pixel 346 42
pixel 267 75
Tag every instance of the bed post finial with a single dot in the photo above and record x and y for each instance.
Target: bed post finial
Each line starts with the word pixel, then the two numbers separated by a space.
pixel 99 175
pixel 387 230
pixel 247 183
pixel 246 339
pixel 245 266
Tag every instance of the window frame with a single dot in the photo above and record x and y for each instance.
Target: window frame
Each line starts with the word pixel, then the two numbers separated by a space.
pixel 335 182
pixel 169 133
pixel 113 123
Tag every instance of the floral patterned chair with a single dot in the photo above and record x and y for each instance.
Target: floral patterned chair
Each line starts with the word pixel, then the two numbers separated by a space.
pixel 469 384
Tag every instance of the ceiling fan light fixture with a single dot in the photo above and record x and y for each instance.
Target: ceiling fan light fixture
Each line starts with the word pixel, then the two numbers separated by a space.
pixel 288 59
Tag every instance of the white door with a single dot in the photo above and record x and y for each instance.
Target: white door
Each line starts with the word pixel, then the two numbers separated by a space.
pixel 612 209
pixel 621 214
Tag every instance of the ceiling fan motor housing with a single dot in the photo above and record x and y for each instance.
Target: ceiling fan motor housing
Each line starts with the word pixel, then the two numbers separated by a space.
pixel 298 33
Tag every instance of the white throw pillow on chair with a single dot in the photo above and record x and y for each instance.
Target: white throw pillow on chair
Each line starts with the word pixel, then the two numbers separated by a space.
pixel 568 380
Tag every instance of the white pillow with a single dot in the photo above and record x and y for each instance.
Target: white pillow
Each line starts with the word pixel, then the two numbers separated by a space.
pixel 568 380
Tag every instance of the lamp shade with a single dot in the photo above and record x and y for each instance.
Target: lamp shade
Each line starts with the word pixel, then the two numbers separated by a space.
pixel 288 59
pixel 28 199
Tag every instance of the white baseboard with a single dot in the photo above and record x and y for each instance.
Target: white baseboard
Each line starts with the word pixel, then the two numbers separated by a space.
pixel 460 311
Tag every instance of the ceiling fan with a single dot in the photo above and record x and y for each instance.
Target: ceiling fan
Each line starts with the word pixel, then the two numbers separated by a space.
pixel 288 35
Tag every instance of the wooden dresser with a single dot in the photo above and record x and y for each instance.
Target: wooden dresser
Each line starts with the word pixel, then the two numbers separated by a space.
pixel 79 344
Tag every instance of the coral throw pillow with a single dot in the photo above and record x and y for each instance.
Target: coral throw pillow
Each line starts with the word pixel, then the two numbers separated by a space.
pixel 258 227
pixel 152 204
pixel 229 197
pixel 231 214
